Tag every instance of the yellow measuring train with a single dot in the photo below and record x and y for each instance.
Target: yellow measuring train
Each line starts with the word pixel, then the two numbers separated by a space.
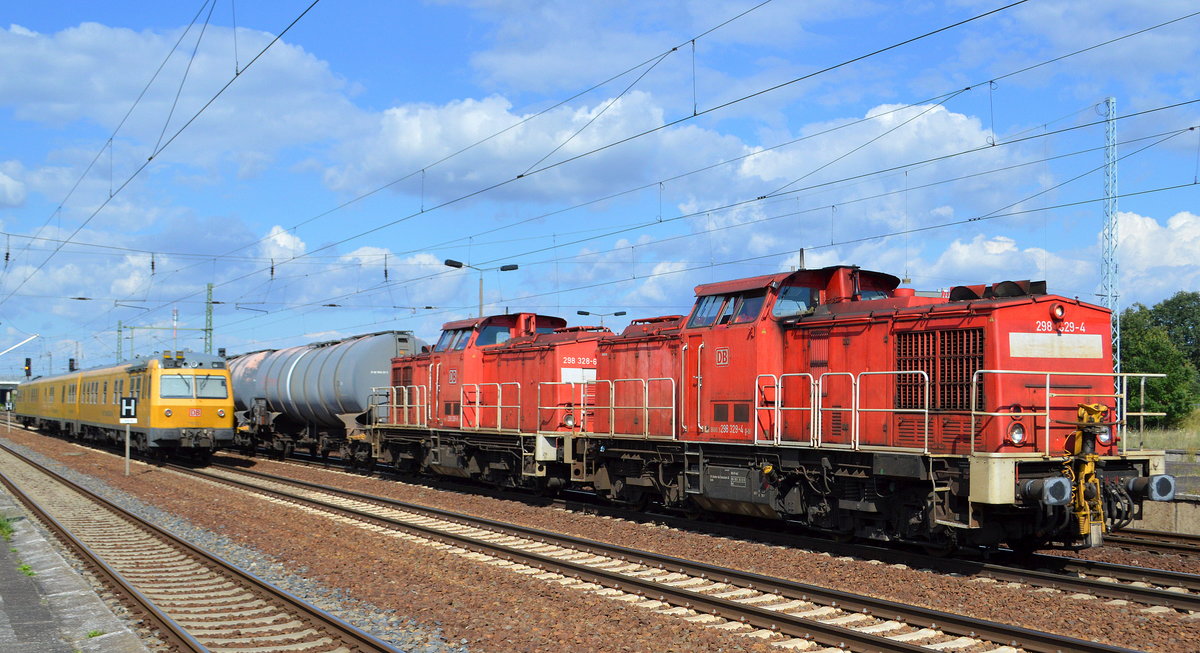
pixel 184 403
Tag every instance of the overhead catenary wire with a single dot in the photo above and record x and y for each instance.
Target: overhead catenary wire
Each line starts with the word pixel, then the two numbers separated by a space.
pixel 1007 143
pixel 462 150
pixel 938 98
pixel 1000 212
pixel 183 78
pixel 560 244
pixel 1003 76
pixel 494 186
pixel 158 150
pixel 1010 142
pixel 703 265
pixel 563 102
pixel 116 130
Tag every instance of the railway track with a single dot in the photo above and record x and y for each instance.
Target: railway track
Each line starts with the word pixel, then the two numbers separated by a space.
pixel 795 615
pixel 1156 541
pixel 1143 585
pixel 194 600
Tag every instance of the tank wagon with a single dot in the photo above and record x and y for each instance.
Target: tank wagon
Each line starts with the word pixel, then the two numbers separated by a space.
pixel 312 396
pixel 183 403
pixel 828 398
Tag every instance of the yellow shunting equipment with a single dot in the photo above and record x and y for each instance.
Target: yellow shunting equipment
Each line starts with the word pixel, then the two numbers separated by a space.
pixel 1087 503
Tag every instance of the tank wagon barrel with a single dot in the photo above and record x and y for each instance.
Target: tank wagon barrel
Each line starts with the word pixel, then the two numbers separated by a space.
pixel 312 394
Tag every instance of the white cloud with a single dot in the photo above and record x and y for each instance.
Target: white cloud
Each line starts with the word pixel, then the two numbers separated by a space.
pixel 990 259
pixel 280 245
pixel 1148 68
pixel 92 72
pixel 664 284
pixel 565 46
pixel 408 138
pixel 12 191
pixel 1157 260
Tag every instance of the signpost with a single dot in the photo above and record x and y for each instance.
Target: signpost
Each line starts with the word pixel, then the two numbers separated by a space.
pixel 128 416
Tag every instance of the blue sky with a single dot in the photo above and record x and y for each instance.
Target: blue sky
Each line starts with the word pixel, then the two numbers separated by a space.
pixel 619 153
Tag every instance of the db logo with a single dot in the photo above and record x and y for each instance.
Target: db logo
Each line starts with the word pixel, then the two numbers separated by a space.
pixel 721 355
pixel 453 376
pixel 193 412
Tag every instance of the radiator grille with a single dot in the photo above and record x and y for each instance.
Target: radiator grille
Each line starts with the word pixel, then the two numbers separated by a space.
pixel 949 358
pixel 818 348
pixel 961 356
pixel 915 351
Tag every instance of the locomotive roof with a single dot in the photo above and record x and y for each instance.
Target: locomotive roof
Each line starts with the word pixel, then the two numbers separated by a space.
pixel 882 279
pixel 472 322
pixel 190 360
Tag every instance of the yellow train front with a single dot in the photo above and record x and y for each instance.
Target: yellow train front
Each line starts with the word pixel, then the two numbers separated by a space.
pixel 184 403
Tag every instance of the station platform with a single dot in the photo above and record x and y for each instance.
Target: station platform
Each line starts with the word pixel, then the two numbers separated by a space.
pixel 45 605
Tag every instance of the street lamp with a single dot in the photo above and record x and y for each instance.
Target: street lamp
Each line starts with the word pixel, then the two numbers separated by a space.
pixel 459 264
pixel 602 315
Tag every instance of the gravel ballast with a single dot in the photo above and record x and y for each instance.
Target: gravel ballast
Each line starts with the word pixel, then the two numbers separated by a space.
pixel 418 590
pixel 483 608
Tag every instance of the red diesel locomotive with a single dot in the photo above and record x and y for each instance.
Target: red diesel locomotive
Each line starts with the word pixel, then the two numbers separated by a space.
pixel 829 398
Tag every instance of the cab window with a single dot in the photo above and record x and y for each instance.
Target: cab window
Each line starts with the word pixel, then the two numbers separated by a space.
pixel 443 343
pixel 453 339
pixel 706 311
pixel 728 309
pixel 726 314
pixel 493 334
pixel 749 306
pixel 794 300
pixel 211 386
pixel 174 386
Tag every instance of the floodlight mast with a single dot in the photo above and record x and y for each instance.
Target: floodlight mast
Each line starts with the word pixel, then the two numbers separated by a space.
pixel 601 315
pixel 508 267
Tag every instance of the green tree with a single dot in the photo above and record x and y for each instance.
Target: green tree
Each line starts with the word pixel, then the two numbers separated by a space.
pixel 1147 346
pixel 1180 316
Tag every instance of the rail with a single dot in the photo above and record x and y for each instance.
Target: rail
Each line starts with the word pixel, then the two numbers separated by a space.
pixel 479 407
pixel 853 410
pixel 571 407
pixel 169 630
pixel 396 401
pixel 288 607
pixel 778 407
pixel 640 582
pixel 924 411
pixel 645 405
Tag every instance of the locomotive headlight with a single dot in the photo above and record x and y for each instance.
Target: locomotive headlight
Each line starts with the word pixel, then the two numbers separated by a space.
pixel 1057 311
pixel 569 420
pixel 220 412
pixel 1105 437
pixel 167 412
pixel 1016 433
